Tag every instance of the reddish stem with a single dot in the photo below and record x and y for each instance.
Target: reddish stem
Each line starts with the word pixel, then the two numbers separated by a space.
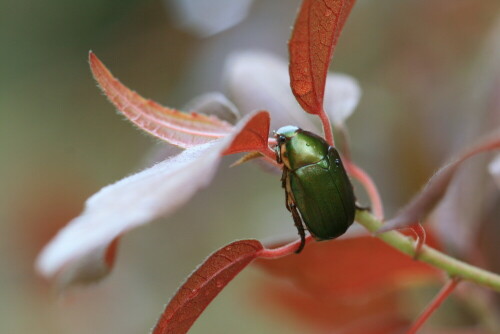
pixel 287 249
pixel 419 231
pixel 341 132
pixel 327 127
pixel 446 290
pixel 369 186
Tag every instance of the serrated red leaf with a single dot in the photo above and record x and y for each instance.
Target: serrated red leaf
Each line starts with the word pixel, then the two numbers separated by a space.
pixel 204 284
pixel 315 33
pixel 178 128
pixel 434 190
pixel 253 137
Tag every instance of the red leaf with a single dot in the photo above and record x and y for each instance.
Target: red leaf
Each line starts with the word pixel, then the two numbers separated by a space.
pixel 375 313
pixel 178 128
pixel 346 266
pixel 351 285
pixel 311 46
pixel 253 137
pixel 434 190
pixel 205 284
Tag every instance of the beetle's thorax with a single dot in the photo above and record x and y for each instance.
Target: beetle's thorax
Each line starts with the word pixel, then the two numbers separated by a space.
pixel 298 148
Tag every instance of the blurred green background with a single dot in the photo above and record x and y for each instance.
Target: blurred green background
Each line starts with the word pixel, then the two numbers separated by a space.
pixel 430 75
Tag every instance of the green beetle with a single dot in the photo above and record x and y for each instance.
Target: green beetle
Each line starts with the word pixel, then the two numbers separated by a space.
pixel 316 184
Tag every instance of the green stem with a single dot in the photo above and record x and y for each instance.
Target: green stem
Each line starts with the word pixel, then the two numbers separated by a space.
pixel 452 266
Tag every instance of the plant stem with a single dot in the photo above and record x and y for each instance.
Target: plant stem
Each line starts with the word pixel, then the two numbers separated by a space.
pixel 370 187
pixel 452 266
pixel 327 127
pixel 275 253
pixel 434 305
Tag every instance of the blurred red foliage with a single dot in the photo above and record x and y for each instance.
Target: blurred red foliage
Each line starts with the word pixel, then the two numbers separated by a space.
pixel 351 285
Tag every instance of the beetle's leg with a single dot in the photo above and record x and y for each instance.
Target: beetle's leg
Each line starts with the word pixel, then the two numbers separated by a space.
pixel 362 207
pixel 290 205
pixel 300 227
pixel 283 185
pixel 277 150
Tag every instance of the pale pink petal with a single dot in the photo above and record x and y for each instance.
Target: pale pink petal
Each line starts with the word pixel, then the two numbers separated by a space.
pixel 342 94
pixel 259 80
pixel 206 18
pixel 78 252
pixel 214 104
pixel 494 168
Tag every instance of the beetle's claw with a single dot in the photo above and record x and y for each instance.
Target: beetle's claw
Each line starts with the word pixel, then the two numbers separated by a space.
pixel 302 244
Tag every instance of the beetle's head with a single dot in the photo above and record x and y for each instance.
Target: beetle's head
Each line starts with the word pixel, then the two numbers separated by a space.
pixel 286 132
pixel 283 135
pixel 298 148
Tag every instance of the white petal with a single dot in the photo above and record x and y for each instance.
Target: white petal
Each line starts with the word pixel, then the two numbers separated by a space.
pixel 260 81
pixel 206 18
pixel 342 94
pixel 216 104
pixel 77 251
pixel 494 168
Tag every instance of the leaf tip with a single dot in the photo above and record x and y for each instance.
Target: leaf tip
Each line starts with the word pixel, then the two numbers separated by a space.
pixel 99 70
pixel 88 268
pixel 92 58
